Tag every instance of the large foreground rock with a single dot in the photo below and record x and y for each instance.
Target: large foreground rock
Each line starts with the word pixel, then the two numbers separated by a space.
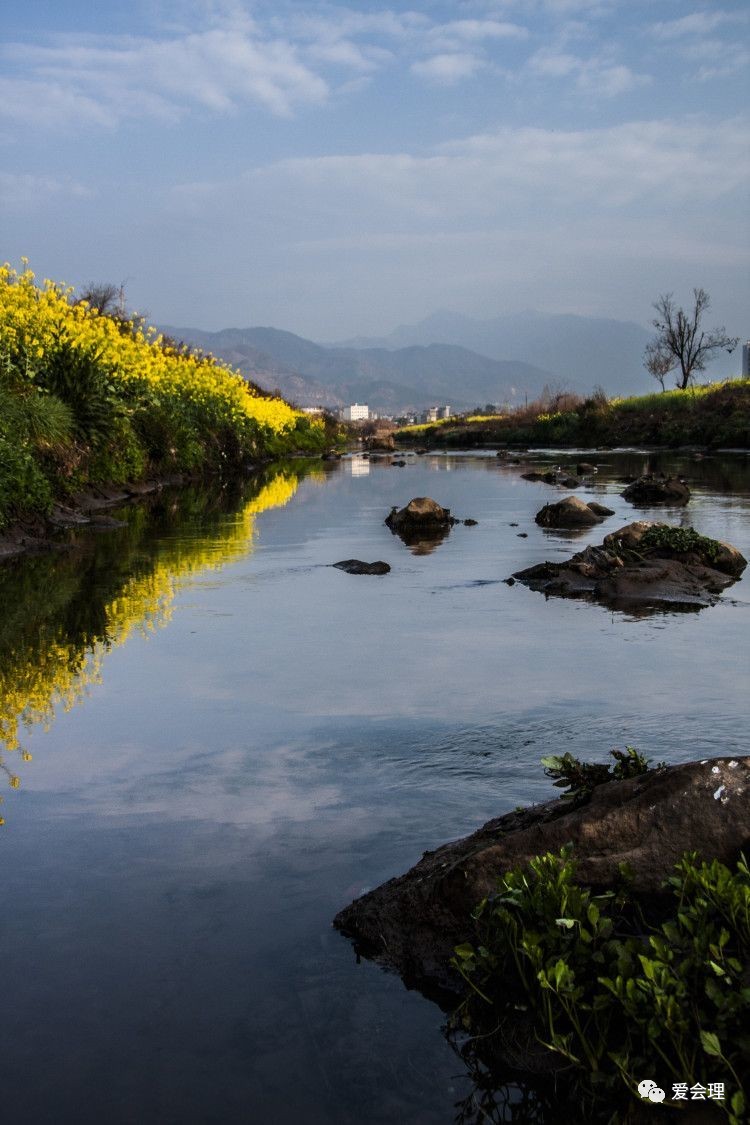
pixel 572 512
pixel 626 573
pixel 413 922
pixel 652 489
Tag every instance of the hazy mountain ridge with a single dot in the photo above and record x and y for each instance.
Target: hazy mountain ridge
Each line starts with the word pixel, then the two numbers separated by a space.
pixel 580 351
pixel 390 380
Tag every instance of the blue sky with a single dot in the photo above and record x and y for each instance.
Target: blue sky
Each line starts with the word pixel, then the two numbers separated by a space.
pixel 338 169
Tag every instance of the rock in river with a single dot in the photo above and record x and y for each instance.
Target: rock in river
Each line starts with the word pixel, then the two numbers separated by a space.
pixel 356 566
pixel 413 922
pixel 644 565
pixel 572 512
pixel 652 489
pixel 422 524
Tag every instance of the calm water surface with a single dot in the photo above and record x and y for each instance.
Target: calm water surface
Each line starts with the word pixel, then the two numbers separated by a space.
pixel 229 740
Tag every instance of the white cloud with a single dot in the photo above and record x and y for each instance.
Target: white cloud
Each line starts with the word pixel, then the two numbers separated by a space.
pixel 456 32
pixel 24 192
pixel 106 80
pixel 598 74
pixel 697 23
pixel 489 177
pixel 447 69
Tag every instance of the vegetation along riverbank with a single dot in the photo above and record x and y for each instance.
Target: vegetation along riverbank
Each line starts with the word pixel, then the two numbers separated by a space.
pixel 91 397
pixel 589 941
pixel 716 415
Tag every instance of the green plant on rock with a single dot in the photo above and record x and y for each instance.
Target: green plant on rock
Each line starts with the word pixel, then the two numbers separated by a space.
pixel 579 779
pixel 681 540
pixel 609 992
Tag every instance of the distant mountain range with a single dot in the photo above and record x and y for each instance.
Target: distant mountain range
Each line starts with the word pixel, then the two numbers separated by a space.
pixel 446 358
pixel 391 380
pixel 580 351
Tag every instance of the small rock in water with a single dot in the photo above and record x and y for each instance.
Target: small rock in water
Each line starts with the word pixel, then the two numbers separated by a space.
pixel 356 566
pixel 471 523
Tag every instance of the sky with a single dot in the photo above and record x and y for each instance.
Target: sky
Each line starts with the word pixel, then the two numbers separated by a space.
pixel 337 170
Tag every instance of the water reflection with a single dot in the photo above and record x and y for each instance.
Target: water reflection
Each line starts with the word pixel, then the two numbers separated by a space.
pixel 421 539
pixel 65 611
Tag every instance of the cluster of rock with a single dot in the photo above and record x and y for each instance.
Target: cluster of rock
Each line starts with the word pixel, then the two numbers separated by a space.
pixel 626 572
pixel 413 923
pixel 421 525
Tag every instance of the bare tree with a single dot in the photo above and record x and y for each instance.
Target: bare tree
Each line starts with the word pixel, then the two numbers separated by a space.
pixel 680 340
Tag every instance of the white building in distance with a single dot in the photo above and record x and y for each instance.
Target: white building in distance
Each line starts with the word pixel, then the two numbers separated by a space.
pixel 746 360
pixel 357 412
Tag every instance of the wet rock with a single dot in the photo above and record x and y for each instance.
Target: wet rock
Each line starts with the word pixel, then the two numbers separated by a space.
pixel 331 455
pixel 585 468
pixel 413 922
pixel 600 509
pixel 64 517
pixel 398 464
pixel 422 525
pixel 356 566
pixel 648 490
pixel 143 488
pixel 556 477
pixel 470 523
pixel 570 512
pixel 522 535
pixel 629 572
pixel 421 512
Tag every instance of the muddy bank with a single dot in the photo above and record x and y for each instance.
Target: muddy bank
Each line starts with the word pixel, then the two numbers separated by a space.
pixel 84 509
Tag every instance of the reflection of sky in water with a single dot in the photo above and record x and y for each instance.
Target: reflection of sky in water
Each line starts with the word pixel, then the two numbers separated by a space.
pixel 183 837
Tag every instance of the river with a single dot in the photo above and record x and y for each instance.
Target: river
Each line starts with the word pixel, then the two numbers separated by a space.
pixel 212 741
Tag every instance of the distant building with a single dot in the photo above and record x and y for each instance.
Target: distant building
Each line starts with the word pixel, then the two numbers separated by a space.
pixel 430 415
pixel 746 360
pixel 444 412
pixel 357 412
pixel 312 409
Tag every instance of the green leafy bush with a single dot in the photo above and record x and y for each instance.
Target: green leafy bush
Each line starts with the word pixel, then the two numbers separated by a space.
pixel 23 486
pixel 610 993
pixel 680 540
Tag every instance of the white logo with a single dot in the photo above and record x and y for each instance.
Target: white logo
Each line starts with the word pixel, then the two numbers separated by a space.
pixel 648 1089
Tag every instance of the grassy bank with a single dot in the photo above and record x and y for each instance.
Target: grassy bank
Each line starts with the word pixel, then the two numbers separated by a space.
pixel 89 398
pixel 715 415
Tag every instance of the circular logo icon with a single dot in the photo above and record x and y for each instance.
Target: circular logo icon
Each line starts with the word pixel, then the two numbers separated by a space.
pixel 646 1086
pixel 656 1094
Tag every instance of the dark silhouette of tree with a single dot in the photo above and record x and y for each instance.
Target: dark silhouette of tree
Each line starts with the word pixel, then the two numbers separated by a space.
pixel 681 342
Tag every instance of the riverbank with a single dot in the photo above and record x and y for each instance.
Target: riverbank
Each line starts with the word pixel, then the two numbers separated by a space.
pixel 93 399
pixel 710 417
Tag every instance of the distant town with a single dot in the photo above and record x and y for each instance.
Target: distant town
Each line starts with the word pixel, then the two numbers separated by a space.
pixel 360 412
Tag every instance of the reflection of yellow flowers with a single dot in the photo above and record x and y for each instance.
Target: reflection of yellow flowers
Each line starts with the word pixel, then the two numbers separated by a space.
pixel 36 681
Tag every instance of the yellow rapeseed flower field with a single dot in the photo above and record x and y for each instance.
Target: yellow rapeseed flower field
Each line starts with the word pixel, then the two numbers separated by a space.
pixel 35 318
